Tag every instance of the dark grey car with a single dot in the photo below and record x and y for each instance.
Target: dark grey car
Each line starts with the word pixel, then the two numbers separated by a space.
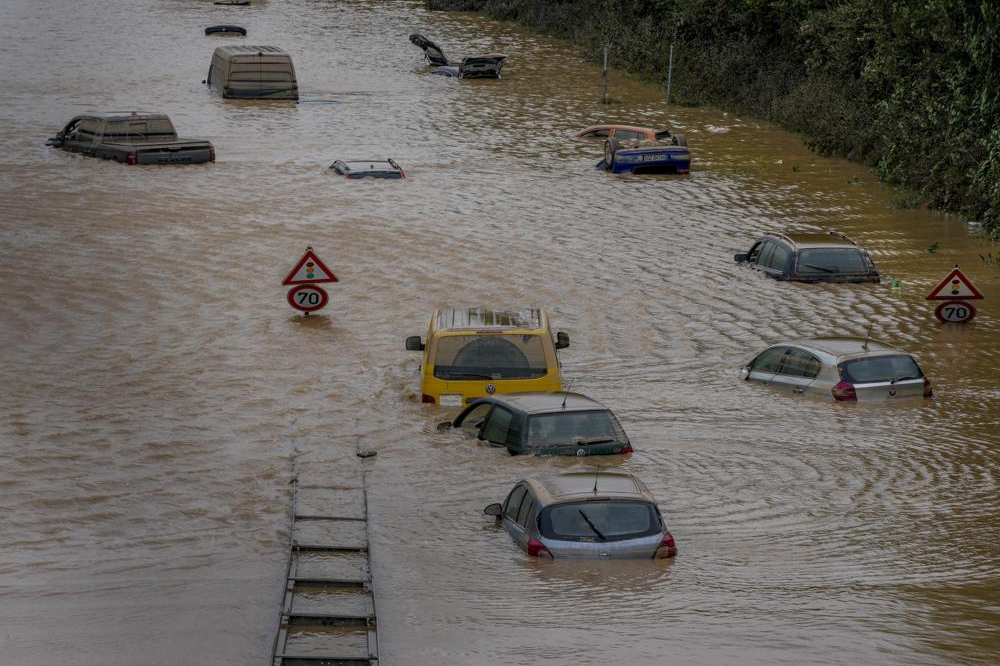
pixel 132 138
pixel 585 515
pixel 810 257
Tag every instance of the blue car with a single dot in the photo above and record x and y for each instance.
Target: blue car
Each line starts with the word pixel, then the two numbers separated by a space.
pixel 669 154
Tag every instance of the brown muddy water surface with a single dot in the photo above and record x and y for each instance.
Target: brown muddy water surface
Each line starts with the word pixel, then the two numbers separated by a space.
pixel 156 384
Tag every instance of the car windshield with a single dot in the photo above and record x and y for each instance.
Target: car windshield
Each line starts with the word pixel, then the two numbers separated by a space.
pixel 830 260
pixel 880 369
pixel 574 428
pixel 500 356
pixel 598 520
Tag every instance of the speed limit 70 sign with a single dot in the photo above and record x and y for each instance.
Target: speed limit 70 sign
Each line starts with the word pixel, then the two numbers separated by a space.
pixel 307 298
pixel 955 312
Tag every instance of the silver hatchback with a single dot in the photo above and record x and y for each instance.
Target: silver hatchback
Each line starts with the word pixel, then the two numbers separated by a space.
pixel 585 515
pixel 846 369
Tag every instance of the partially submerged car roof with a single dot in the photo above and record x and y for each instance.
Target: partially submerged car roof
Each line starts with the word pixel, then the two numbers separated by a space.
pixel 841 347
pixel 811 239
pixel 450 319
pixel 574 486
pixel 549 402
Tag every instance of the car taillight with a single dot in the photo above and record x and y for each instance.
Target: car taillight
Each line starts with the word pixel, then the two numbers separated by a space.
pixel 427 398
pixel 627 448
pixel 132 158
pixel 844 392
pixel 211 154
pixel 667 547
pixel 928 391
pixel 537 549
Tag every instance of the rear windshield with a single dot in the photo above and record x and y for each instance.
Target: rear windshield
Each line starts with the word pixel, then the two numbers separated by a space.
pixel 501 356
pixel 826 261
pixel 880 369
pixel 140 129
pixel 607 520
pixel 574 428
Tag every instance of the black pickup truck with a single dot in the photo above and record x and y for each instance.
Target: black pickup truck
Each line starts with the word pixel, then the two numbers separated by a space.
pixel 132 138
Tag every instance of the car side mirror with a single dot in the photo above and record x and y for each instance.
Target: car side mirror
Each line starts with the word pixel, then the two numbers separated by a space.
pixel 444 425
pixel 493 509
pixel 744 372
pixel 562 340
pixel 413 343
pixel 739 257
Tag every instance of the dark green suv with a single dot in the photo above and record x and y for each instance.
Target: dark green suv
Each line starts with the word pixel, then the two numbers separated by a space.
pixel 558 424
pixel 810 257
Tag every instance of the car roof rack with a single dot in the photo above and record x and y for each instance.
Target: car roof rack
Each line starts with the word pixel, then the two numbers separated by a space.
pixel 841 234
pixel 781 235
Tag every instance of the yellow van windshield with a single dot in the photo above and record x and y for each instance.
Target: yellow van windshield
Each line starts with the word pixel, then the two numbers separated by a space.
pixel 501 356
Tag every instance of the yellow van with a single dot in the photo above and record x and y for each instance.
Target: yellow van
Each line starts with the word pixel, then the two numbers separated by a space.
pixel 474 352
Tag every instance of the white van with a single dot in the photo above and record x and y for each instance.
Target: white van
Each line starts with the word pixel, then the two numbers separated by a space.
pixel 253 72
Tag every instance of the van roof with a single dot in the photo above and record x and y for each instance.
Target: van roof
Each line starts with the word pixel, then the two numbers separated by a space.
pixel 239 50
pixel 580 485
pixel 451 319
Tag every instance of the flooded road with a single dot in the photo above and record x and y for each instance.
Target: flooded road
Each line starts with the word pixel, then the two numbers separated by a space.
pixel 156 384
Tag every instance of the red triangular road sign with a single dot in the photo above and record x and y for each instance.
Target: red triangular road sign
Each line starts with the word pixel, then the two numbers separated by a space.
pixel 310 270
pixel 955 287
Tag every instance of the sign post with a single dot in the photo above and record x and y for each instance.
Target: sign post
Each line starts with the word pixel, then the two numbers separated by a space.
pixel 308 272
pixel 955 289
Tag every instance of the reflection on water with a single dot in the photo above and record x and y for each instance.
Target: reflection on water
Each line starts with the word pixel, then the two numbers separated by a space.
pixel 156 383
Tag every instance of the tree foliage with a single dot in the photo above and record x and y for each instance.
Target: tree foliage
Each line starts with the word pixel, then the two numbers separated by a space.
pixel 910 87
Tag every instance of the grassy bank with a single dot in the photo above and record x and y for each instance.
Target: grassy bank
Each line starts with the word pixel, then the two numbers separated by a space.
pixel 909 87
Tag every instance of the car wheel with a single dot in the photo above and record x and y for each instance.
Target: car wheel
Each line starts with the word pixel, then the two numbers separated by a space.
pixel 680 140
pixel 610 148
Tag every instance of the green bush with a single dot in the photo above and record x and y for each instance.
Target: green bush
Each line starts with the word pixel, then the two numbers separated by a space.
pixel 909 87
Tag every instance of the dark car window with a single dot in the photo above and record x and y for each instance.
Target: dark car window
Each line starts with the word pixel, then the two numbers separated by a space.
pixel 663 135
pixel 525 510
pixel 570 427
pixel 767 248
pixel 800 363
pixel 497 426
pixel 489 357
pixel 880 369
pixel 602 133
pixel 513 502
pixel 776 260
pixel 769 360
pixel 629 135
pixel 474 417
pixel 599 520
pixel 754 253
pixel 833 260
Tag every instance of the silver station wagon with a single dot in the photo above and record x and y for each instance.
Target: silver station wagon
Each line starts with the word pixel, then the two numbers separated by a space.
pixel 846 369
pixel 585 515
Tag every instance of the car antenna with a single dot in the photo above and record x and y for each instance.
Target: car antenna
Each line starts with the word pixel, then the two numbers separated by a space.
pixel 597 473
pixel 867 335
pixel 569 385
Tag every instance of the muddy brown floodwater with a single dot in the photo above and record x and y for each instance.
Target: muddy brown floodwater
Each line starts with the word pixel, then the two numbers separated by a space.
pixel 155 383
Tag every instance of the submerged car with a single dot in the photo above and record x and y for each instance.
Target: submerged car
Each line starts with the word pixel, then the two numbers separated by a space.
pixel 560 424
pixel 585 515
pixel 474 352
pixel 368 169
pixel 132 138
pixel 487 65
pixel 632 149
pixel 845 369
pixel 810 257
